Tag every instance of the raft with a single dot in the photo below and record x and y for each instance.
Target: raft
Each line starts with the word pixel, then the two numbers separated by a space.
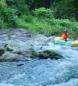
pixel 72 43
pixel 58 38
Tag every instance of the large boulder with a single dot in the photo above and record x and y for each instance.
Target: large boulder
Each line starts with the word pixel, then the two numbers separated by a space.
pixel 46 54
pixel 8 56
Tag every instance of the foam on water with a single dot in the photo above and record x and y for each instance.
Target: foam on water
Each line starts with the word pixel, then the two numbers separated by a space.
pixel 6 84
pixel 62 72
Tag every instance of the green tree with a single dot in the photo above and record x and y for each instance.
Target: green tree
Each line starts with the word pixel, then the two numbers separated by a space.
pixel 75 2
pixel 65 9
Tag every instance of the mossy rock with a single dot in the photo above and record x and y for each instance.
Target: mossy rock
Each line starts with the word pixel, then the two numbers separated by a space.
pixel 46 54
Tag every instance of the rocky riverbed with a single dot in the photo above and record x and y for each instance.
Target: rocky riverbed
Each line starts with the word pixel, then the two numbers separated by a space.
pixel 18 44
pixel 28 59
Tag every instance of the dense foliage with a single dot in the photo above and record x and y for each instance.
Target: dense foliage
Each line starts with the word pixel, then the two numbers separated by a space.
pixel 45 16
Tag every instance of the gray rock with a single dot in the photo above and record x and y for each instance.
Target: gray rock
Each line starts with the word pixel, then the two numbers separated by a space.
pixel 46 54
pixel 7 56
pixel 2 51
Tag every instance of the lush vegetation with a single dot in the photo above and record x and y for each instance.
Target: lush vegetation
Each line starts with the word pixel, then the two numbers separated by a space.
pixel 45 16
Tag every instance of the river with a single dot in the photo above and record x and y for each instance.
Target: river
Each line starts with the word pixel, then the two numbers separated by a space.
pixel 42 72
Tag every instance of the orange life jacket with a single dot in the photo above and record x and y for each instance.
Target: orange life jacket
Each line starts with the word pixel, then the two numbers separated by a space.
pixel 65 36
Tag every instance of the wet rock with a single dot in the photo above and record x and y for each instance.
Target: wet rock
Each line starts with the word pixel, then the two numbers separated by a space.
pixel 20 65
pixel 8 49
pixel 46 54
pixel 2 51
pixel 8 56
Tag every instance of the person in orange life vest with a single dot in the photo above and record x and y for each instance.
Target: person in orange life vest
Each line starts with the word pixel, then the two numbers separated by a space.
pixel 65 35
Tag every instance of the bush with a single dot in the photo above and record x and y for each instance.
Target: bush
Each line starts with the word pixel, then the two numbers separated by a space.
pixel 8 15
pixel 43 12
pixel 21 5
pixel 2 4
pixel 1 23
pixel 27 18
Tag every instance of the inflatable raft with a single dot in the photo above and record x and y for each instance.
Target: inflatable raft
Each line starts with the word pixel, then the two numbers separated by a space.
pixel 72 43
pixel 75 43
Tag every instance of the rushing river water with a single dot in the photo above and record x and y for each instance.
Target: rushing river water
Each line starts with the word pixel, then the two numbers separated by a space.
pixel 44 72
